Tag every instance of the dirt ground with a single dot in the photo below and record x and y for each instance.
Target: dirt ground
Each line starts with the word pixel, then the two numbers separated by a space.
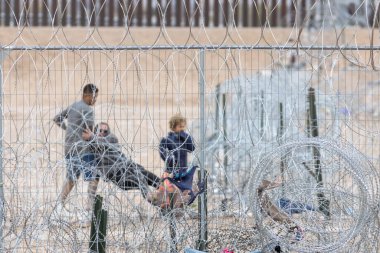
pixel 182 36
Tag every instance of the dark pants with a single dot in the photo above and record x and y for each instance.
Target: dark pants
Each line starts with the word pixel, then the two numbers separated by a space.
pixel 134 176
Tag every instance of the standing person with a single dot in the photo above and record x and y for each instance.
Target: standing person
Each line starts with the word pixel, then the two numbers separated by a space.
pixel 176 145
pixel 174 149
pixel 75 119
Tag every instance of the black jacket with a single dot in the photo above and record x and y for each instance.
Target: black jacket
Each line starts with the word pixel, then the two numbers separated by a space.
pixel 174 149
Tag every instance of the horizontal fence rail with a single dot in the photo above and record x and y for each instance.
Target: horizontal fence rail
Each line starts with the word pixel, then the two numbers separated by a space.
pixel 184 47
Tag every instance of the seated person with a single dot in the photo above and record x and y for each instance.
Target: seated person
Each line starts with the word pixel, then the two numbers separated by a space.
pixel 113 165
pixel 275 212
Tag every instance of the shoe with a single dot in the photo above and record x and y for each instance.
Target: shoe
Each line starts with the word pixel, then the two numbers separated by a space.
pixel 201 188
pixel 84 217
pixel 164 212
pixel 62 213
pixel 298 233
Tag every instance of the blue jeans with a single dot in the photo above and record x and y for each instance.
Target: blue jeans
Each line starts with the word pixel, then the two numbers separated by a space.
pixel 86 164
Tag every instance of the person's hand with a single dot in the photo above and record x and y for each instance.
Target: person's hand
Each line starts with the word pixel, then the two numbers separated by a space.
pixel 87 134
pixel 183 135
pixel 278 180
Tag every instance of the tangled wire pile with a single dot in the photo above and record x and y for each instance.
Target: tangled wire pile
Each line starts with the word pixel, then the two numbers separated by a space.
pixel 335 214
pixel 254 117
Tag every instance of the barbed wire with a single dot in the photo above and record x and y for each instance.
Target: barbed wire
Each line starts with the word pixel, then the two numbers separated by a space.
pixel 349 180
pixel 261 59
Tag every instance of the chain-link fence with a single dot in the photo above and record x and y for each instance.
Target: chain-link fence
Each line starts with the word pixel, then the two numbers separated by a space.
pixel 241 105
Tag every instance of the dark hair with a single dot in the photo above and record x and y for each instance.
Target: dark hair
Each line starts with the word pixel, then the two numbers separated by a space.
pixel 102 123
pixel 90 89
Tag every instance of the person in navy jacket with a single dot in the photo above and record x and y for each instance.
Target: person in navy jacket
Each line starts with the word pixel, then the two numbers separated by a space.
pixel 174 149
pixel 175 146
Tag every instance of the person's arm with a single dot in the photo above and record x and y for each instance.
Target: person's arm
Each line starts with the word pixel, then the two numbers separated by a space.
pixel 101 144
pixel 59 119
pixel 88 119
pixel 165 153
pixel 188 143
pixel 163 149
pixel 111 138
pixel 266 184
pixel 87 135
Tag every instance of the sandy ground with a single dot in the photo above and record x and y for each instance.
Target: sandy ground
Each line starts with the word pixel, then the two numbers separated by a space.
pixel 180 36
pixel 139 91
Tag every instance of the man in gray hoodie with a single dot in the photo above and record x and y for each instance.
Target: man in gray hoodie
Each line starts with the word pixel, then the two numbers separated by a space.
pixel 76 119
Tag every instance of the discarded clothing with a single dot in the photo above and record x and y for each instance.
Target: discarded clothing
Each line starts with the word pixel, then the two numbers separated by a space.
pixel 291 207
pixel 184 181
pixel 188 250
pixel 182 190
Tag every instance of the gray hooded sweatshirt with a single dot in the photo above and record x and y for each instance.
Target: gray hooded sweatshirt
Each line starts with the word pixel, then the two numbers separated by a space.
pixel 79 116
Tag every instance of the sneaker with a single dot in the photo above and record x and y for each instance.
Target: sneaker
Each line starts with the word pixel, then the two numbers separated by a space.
pixel 85 215
pixel 62 213
pixel 298 233
pixel 85 218
pixel 163 212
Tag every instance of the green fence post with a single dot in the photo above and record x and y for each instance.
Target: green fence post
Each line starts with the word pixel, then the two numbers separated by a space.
pixel 172 225
pixel 95 224
pixel 102 231
pixel 324 204
pixel 202 199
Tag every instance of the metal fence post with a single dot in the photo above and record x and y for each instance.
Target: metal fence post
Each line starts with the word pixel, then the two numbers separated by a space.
pixel 202 201
pixel 172 225
pixel 2 200
pixel 324 203
pixel 98 227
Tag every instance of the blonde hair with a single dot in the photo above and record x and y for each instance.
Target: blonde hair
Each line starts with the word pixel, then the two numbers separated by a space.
pixel 175 120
